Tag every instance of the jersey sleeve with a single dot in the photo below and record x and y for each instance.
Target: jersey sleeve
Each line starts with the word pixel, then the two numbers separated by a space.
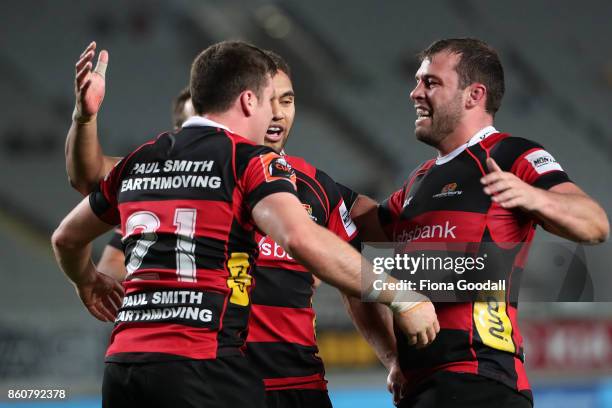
pixel 530 162
pixel 103 200
pixel 349 196
pixel 390 210
pixel 339 222
pixel 115 240
pixel 266 173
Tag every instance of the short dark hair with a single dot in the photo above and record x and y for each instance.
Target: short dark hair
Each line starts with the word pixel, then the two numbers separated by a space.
pixel 223 71
pixel 178 106
pixel 478 62
pixel 281 64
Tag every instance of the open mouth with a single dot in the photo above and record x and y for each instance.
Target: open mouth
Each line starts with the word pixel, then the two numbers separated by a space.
pixel 422 114
pixel 274 133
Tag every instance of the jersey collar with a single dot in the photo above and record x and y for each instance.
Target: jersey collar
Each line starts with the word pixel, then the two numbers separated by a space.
pixel 481 135
pixel 202 121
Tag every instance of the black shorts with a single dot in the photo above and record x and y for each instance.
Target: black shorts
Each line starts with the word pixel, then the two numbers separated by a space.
pixel 298 399
pixel 458 390
pixel 223 382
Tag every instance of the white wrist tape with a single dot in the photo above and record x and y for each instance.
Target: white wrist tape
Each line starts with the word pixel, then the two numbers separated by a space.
pixel 399 306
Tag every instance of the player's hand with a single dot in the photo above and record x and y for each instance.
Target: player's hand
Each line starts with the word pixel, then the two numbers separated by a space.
pixel 396 382
pixel 419 323
pixel 102 296
pixel 508 190
pixel 89 86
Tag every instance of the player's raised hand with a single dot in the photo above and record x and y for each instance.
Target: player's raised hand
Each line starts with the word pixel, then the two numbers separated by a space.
pixel 89 86
pixel 509 191
pixel 102 296
pixel 419 323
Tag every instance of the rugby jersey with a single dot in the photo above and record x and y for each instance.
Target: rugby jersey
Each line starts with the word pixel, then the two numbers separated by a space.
pixel 184 203
pixel 443 201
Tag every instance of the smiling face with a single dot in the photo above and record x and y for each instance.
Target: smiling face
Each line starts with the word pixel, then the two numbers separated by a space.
pixel 438 101
pixel 283 106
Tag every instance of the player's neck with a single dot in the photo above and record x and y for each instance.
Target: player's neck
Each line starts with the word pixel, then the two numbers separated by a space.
pixel 236 122
pixel 462 135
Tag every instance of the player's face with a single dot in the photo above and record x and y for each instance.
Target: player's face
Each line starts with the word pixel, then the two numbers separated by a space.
pixel 437 98
pixel 283 107
pixel 262 114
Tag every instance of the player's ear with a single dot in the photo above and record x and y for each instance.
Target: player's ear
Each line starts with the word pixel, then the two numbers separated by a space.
pixel 476 95
pixel 248 102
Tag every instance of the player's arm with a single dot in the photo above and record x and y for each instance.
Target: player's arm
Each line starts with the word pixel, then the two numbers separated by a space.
pixel 282 217
pixel 268 184
pixel 375 323
pixel 112 261
pixel 364 213
pixel 564 209
pixel 373 320
pixel 567 211
pixel 71 242
pixel 86 163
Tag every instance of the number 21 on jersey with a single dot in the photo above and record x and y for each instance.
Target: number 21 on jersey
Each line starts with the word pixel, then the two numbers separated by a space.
pixel 147 223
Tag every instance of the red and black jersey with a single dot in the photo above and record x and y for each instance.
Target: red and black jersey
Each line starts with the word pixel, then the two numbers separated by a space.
pixel 184 202
pixel 444 201
pixel 349 196
pixel 281 341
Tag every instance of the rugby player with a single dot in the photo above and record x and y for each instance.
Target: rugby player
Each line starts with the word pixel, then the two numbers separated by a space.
pixel 508 186
pixel 257 190
pixel 281 341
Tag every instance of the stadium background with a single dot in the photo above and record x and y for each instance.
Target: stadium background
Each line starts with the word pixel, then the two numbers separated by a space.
pixel 353 66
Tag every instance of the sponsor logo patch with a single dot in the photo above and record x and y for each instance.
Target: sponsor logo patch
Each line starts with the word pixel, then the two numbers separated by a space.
pixel 275 167
pixel 449 190
pixel 308 209
pixel 270 249
pixel 186 307
pixel 542 161
pixel 444 231
pixel 493 324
